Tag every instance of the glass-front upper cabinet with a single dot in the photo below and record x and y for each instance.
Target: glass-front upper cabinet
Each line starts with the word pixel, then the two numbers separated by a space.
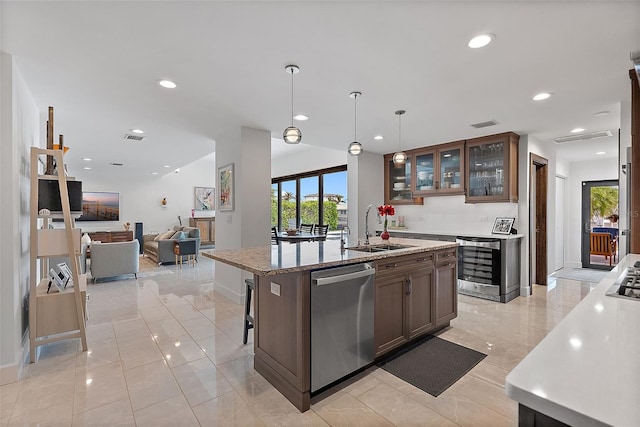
pixel 439 169
pixel 397 182
pixel 492 168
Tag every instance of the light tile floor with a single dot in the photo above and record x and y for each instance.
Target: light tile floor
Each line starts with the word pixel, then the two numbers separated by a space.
pixel 166 350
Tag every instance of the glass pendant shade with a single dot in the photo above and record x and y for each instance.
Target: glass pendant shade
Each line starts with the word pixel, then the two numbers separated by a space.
pixel 355 148
pixel 399 158
pixel 292 135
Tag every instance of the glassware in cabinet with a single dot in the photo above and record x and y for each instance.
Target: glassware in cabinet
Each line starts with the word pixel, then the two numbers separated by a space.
pixel 439 169
pixel 493 168
pixel 398 179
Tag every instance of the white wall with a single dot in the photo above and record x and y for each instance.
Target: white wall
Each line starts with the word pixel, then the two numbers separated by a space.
pixel 304 158
pixel 140 200
pixel 249 222
pixel 365 186
pixel 592 170
pixel 19 130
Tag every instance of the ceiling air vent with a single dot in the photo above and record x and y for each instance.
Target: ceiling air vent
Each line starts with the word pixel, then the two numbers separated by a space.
pixel 583 136
pixel 130 137
pixel 117 164
pixel 484 124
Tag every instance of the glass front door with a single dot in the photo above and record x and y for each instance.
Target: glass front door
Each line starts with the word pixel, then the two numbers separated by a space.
pixel 600 224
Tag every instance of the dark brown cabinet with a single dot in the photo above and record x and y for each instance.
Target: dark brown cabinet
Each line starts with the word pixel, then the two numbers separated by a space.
pixel 492 168
pixel 414 294
pixel 439 170
pixel 398 182
pixel 446 287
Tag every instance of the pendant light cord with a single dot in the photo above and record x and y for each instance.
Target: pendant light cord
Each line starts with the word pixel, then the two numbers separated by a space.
pixel 291 96
pixel 400 131
pixel 355 117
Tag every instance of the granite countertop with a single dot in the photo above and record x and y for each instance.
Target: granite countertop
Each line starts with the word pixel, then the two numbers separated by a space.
pixel 585 372
pixel 291 257
pixel 445 233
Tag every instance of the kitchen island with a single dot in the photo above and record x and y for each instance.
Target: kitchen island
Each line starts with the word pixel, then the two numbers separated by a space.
pixel 415 294
pixel 585 372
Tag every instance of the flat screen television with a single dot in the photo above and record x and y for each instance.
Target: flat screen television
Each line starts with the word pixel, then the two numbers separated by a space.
pixel 100 206
pixel 49 195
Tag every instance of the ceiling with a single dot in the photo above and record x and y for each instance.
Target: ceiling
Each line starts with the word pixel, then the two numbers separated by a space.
pixel 99 63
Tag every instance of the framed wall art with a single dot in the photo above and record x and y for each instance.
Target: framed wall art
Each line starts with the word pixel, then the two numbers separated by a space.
pixel 203 198
pixel 225 187
pixel 503 225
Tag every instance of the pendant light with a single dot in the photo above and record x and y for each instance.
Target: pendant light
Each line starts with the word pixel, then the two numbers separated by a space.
pixel 292 134
pixel 355 148
pixel 400 157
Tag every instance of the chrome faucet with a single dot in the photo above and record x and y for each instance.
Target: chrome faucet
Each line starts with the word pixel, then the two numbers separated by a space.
pixel 366 223
pixel 342 242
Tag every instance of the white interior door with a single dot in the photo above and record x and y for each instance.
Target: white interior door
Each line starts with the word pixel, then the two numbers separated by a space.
pixel 559 232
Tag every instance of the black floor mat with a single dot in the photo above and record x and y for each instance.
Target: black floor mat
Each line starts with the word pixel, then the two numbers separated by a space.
pixel 432 364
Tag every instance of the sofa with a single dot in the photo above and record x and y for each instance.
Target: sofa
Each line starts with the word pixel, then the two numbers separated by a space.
pixel 159 247
pixel 114 259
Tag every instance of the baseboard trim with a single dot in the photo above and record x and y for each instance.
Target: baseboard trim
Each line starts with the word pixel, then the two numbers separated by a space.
pixel 11 373
pixel 525 291
pixel 229 293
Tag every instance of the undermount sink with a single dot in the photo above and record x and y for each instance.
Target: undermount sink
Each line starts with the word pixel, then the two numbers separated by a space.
pixel 382 247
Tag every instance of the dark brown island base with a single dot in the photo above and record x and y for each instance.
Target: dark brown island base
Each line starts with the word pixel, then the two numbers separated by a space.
pixel 414 293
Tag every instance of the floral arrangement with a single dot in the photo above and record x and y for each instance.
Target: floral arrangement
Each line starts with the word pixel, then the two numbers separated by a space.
pixel 386 210
pixel 127 225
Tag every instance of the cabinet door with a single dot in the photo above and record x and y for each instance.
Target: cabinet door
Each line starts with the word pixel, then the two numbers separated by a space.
pixel 389 312
pixel 397 182
pixel 451 169
pixel 419 314
pixel 426 172
pixel 446 293
pixel 492 169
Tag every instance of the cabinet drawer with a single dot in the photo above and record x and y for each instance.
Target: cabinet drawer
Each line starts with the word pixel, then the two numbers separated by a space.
pixel 446 256
pixel 408 262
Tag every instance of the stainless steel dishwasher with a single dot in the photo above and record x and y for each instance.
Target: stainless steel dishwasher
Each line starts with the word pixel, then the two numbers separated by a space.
pixel 341 322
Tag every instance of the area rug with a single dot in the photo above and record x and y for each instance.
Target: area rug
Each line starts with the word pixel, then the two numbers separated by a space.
pixel 432 364
pixel 581 274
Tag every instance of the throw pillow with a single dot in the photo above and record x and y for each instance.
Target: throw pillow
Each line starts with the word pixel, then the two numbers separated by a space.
pixel 164 236
pixel 178 235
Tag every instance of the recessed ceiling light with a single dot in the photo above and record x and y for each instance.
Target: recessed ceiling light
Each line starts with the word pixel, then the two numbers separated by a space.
pixel 378 137
pixel 86 168
pixel 86 159
pixel 599 153
pixel 301 117
pixel 137 131
pixel 541 96
pixel 481 41
pixel 166 166
pixel 576 130
pixel 168 84
pixel 447 155
pixel 154 173
pixel 602 113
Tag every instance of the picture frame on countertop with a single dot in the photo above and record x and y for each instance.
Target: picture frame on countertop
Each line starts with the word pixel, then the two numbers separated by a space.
pixel 204 198
pixel 226 188
pixel 503 225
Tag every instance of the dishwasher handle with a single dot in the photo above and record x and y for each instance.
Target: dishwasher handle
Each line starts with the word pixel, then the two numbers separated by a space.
pixel 343 277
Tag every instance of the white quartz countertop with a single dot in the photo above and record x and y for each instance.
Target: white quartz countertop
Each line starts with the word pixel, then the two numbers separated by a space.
pixel 445 233
pixel 586 371
pixel 290 257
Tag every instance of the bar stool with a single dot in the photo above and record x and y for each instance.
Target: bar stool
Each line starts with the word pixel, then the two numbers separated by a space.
pixel 248 319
